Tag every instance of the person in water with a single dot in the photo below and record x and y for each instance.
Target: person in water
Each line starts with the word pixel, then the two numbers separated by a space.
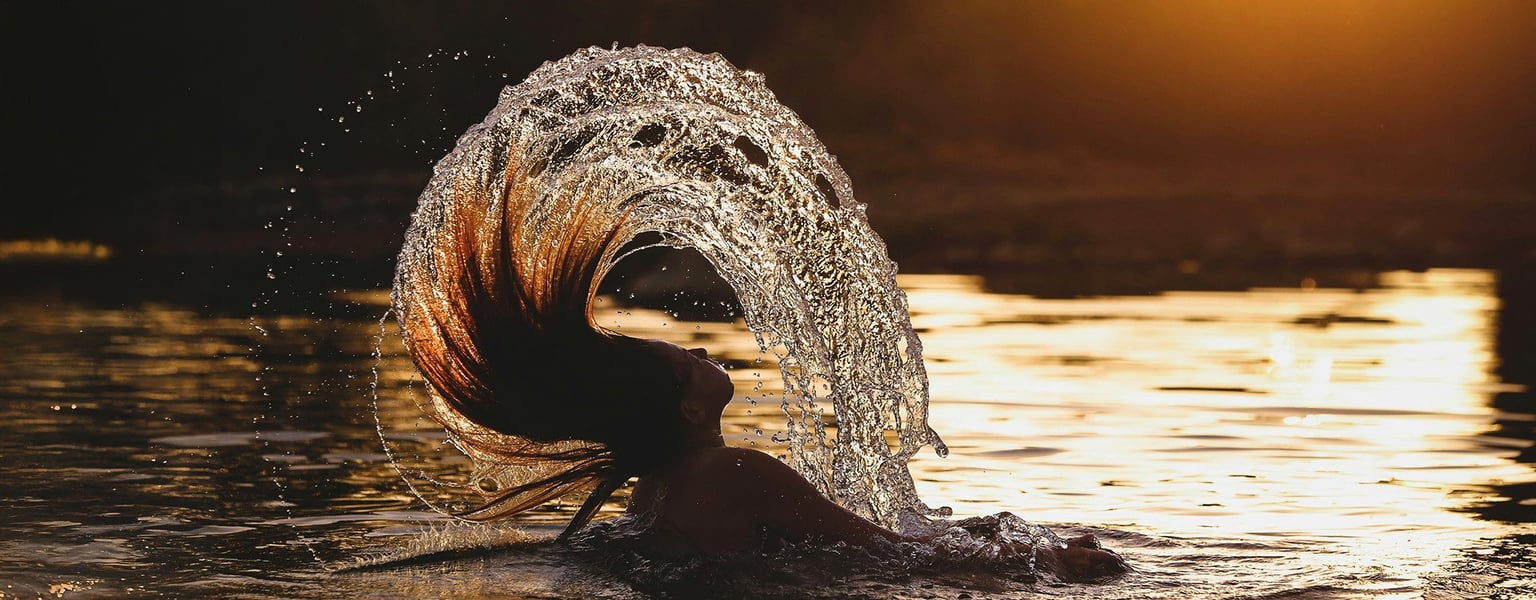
pixel 718 499
pixel 496 314
pixel 498 276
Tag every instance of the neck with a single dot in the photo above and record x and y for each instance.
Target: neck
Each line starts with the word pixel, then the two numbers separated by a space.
pixel 701 437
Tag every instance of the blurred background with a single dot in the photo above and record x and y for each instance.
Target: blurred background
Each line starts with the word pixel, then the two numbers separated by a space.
pixel 1193 138
pixel 1057 149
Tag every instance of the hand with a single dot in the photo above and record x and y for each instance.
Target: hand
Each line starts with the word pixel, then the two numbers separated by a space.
pixel 1083 559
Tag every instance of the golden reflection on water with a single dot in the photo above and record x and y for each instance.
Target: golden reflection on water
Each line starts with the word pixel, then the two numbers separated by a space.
pixel 54 250
pixel 1356 421
pixel 1313 413
pixel 1309 413
pixel 1348 430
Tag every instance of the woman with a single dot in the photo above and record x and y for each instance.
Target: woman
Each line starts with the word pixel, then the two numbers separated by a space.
pixel 494 291
pixel 497 317
pixel 717 499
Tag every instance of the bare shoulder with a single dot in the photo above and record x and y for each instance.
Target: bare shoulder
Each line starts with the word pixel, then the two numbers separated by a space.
pixel 745 457
pixel 747 468
pixel 751 481
pixel 778 498
pixel 724 495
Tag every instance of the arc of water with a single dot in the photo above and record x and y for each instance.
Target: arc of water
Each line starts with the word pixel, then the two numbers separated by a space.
pixel 690 147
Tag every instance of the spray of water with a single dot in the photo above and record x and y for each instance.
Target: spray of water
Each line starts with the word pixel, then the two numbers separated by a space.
pixel 689 149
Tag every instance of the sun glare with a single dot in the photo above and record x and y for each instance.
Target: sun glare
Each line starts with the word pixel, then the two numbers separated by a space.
pixel 1292 412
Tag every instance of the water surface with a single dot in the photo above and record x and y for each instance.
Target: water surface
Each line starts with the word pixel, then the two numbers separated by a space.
pixel 1275 442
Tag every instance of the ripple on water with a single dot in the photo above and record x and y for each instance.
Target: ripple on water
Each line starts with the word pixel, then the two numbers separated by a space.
pixel 238 438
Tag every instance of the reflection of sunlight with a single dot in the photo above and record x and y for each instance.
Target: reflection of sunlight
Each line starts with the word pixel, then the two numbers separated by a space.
pixel 50 249
pixel 1325 436
pixel 1282 352
pixel 1306 413
pixel 1323 416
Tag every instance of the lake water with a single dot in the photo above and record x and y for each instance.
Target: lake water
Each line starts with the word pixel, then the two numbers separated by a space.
pixel 1296 442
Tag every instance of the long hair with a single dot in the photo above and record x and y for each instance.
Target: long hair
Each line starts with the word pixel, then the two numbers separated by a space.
pixel 495 304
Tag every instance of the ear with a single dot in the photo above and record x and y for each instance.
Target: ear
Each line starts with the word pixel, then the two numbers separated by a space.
pixel 692 412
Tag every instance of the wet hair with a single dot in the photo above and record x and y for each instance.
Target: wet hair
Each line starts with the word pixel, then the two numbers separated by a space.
pixel 495 307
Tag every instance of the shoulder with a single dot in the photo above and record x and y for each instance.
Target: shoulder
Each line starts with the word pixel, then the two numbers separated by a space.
pixel 746 472
pixel 731 462
pixel 740 457
pixel 766 492
pixel 720 499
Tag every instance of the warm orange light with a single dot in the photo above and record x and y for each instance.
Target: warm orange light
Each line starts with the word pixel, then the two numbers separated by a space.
pixel 50 249
pixel 1274 412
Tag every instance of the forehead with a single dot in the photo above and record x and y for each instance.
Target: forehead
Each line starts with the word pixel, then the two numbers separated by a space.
pixel 676 357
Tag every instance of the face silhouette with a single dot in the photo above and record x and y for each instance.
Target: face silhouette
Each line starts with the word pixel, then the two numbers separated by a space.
pixel 706 386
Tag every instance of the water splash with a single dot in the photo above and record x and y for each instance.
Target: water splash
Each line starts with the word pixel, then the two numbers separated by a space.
pixel 438 542
pixel 687 147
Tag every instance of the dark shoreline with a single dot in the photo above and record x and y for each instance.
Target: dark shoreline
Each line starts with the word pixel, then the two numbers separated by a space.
pixel 931 224
pixel 321 233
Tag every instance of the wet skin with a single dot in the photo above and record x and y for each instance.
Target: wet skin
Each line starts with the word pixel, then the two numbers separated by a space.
pixel 719 499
